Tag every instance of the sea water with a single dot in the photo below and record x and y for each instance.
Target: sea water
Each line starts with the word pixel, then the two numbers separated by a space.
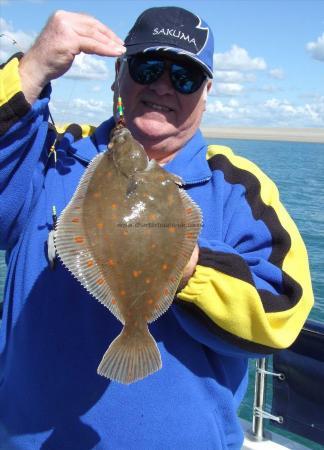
pixel 298 170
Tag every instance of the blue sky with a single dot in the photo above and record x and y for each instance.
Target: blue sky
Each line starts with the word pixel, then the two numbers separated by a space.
pixel 269 58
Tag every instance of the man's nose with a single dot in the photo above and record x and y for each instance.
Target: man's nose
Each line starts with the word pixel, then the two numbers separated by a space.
pixel 163 85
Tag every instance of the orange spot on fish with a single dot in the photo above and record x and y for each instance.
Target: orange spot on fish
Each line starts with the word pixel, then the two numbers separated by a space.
pixel 111 262
pixel 113 205
pixel 189 235
pixel 150 301
pixel 100 281
pixel 113 301
pixel 171 229
pixel 136 273
pixel 79 239
pixel 125 233
pixel 90 263
pixel 147 280
pixel 97 194
pixel 76 219
pixel 122 293
pixel 172 279
pixel 100 225
pixel 188 210
pixel 152 216
pixel 109 174
pixel 153 245
pixel 166 291
pixel 165 266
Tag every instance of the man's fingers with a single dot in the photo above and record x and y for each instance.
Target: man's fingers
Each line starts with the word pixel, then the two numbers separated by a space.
pixel 65 35
pixel 97 38
pixel 109 33
pixel 93 46
pixel 89 26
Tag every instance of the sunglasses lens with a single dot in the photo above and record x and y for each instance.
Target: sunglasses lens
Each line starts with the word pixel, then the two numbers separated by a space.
pixel 186 80
pixel 145 71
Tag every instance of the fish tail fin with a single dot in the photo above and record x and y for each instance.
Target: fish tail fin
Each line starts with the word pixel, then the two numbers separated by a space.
pixel 130 358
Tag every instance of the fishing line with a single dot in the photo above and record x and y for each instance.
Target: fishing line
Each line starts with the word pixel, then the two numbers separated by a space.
pixel 120 107
pixel 12 41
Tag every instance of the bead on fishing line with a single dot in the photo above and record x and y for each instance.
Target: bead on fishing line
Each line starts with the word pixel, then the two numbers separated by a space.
pixel 120 108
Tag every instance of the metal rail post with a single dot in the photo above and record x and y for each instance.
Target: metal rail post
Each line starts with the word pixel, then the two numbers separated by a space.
pixel 259 399
pixel 259 412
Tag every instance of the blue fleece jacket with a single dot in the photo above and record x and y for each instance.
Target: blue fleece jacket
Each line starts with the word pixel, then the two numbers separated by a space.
pixel 245 298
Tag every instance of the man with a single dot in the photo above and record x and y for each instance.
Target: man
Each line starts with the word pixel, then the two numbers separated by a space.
pixel 249 292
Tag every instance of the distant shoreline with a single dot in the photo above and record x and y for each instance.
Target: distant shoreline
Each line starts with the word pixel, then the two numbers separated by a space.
pixel 313 135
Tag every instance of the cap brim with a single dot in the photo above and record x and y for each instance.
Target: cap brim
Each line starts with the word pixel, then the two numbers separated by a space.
pixel 140 48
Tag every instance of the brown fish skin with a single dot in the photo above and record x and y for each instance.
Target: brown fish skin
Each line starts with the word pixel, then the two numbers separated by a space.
pixel 139 229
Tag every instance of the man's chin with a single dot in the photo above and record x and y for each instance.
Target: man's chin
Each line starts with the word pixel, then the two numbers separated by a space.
pixel 154 131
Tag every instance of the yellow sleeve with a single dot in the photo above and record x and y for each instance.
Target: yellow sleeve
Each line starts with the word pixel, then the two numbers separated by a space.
pixel 256 302
pixel 13 104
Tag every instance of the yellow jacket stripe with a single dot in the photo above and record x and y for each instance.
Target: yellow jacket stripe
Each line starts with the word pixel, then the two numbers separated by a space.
pixel 13 104
pixel 222 286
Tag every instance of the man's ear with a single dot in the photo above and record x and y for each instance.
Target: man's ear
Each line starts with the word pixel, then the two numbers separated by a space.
pixel 209 85
pixel 207 88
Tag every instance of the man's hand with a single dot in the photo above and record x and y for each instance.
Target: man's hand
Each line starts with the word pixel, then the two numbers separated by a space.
pixel 65 35
pixel 190 268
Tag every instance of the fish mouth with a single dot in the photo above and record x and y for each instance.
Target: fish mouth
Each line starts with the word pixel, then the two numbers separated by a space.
pixel 157 107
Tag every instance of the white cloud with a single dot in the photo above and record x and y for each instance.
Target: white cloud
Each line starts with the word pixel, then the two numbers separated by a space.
pixel 80 110
pixel 232 110
pixel 227 89
pixel 285 109
pixel 272 112
pixel 316 49
pixel 96 88
pixel 12 40
pixel 278 74
pixel 233 76
pixel 92 106
pixel 88 67
pixel 269 88
pixel 237 58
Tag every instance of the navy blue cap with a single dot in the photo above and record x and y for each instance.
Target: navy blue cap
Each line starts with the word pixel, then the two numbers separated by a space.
pixel 175 30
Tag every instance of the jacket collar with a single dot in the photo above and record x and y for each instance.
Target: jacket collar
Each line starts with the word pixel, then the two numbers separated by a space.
pixel 189 163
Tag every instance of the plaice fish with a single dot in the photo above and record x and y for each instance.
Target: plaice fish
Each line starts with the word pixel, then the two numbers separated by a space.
pixel 127 235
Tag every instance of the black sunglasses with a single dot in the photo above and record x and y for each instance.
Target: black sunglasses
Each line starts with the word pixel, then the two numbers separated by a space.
pixel 146 69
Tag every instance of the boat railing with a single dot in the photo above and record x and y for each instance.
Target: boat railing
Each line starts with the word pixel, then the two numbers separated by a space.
pixel 259 411
pixel 296 378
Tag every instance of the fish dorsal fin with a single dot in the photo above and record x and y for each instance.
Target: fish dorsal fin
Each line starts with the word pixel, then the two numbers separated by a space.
pixel 73 248
pixel 193 222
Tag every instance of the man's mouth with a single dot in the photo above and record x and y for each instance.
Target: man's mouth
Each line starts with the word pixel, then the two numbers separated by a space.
pixel 157 107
